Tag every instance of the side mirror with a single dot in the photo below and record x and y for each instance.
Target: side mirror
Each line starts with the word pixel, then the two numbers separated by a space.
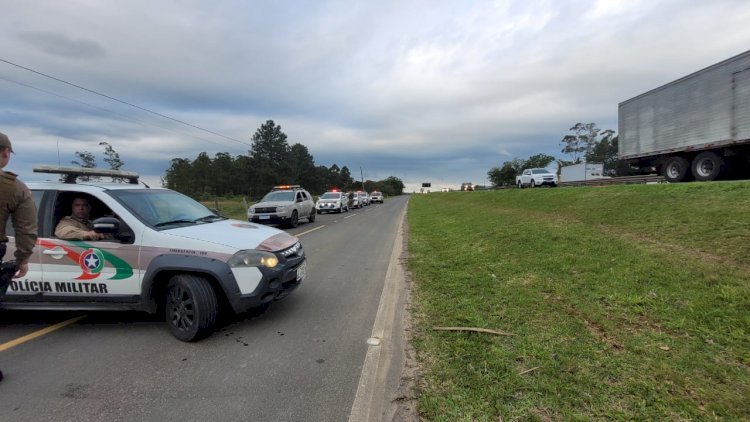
pixel 106 225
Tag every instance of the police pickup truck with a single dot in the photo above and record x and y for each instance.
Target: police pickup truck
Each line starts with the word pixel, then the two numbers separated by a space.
pixel 165 253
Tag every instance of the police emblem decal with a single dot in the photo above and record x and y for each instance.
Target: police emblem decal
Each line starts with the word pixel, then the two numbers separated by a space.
pixel 91 261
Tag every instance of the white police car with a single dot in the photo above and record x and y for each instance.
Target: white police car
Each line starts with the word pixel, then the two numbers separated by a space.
pixel 283 205
pixel 332 201
pixel 168 253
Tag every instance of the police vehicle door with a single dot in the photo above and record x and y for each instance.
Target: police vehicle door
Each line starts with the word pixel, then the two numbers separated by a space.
pixel 89 268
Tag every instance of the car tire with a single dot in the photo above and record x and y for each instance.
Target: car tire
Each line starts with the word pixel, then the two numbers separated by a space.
pixel 294 221
pixel 191 307
pixel 319 212
pixel 520 185
pixel 311 218
pixel 532 185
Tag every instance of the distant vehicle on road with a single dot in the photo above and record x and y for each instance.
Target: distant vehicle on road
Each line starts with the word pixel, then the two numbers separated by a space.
pixel 536 177
pixel 283 205
pixel 353 200
pixel 364 199
pixel 376 196
pixel 332 201
pixel 468 186
pixel 581 172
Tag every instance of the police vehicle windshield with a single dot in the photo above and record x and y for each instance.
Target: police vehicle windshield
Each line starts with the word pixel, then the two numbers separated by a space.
pixel 285 195
pixel 164 208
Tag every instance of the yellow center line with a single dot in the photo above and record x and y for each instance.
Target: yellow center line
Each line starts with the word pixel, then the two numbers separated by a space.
pixel 35 334
pixel 312 230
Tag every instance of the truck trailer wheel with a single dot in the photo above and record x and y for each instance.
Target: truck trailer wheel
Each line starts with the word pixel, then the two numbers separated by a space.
pixel 675 169
pixel 191 307
pixel 707 166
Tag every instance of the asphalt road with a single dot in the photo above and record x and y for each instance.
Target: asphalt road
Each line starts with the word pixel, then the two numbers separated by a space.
pixel 301 360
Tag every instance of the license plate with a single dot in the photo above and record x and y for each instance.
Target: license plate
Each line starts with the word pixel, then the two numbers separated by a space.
pixel 264 217
pixel 301 270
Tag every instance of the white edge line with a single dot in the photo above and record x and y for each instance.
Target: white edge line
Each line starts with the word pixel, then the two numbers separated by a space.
pixel 369 399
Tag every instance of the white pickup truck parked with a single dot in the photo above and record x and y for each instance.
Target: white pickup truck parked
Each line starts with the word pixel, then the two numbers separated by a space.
pixel 165 253
pixel 536 177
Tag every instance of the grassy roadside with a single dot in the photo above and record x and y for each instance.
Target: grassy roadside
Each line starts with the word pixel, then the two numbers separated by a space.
pixel 229 207
pixel 626 302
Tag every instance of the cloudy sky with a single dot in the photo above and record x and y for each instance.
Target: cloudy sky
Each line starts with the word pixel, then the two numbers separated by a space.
pixel 438 91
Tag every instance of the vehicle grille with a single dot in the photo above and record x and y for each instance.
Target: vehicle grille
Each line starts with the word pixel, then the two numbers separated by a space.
pixel 264 210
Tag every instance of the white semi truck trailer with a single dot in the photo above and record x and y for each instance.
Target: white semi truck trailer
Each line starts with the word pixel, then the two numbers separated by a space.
pixel 697 127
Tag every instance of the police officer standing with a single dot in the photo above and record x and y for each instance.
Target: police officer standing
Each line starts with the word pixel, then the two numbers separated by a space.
pixel 15 202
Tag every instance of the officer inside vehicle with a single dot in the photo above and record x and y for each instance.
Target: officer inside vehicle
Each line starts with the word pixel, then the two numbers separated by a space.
pixel 77 226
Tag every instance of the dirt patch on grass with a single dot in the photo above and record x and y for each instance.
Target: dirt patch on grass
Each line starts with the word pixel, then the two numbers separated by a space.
pixel 406 399
pixel 596 330
pixel 661 245
pixel 563 219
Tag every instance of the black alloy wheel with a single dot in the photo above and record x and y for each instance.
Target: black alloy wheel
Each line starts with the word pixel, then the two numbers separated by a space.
pixel 191 307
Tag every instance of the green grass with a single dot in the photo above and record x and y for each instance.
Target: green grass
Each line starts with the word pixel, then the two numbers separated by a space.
pixel 632 302
pixel 229 207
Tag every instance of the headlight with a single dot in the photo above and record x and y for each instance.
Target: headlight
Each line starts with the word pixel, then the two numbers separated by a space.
pixel 281 208
pixel 253 258
pixel 250 211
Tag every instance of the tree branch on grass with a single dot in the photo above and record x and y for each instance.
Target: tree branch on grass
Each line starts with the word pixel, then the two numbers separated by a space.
pixel 478 330
pixel 529 370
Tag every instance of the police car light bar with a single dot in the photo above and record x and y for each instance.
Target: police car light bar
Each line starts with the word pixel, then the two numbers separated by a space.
pixel 72 173
pixel 287 187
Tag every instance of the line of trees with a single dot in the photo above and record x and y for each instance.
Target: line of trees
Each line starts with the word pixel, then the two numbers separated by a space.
pixel 270 161
pixel 587 142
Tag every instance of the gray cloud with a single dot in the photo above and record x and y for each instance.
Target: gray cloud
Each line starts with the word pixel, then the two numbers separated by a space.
pixel 57 44
pixel 415 90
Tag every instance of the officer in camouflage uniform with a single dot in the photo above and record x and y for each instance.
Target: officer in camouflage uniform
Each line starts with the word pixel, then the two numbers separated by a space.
pixel 15 202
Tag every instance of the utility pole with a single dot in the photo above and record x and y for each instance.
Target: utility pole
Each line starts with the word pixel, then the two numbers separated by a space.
pixel 362 177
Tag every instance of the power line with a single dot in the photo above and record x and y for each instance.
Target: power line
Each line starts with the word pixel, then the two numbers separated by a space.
pixel 121 101
pixel 126 117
